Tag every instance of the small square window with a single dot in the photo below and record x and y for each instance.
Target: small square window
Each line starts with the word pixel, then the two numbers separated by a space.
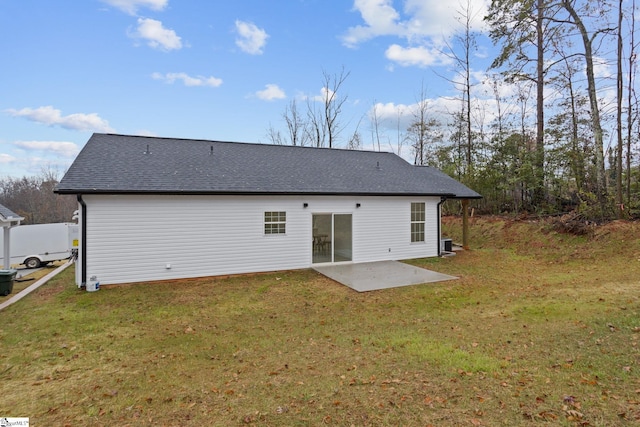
pixel 275 222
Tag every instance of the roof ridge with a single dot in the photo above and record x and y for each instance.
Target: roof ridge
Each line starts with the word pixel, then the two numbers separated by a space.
pixel 166 138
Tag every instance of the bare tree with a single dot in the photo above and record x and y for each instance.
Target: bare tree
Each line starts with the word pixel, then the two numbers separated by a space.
pixel 322 122
pixel 424 130
pixel 355 142
pixel 275 136
pixel 374 119
pixel 315 130
pixel 296 132
pixel 400 138
pixel 501 111
pixel 33 198
pixel 333 103
pixel 295 124
pixel 468 43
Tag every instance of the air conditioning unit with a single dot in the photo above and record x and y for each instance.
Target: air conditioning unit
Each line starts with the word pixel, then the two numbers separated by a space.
pixel 446 245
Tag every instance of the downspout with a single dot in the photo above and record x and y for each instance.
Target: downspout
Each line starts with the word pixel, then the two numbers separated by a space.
pixel 439 239
pixel 83 243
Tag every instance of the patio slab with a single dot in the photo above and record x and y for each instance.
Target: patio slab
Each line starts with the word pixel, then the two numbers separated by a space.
pixel 373 276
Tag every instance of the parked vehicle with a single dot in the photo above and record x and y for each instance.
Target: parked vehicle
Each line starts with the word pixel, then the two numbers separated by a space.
pixel 39 244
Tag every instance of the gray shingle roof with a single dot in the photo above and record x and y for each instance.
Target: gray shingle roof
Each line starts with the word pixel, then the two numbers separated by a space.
pixel 135 164
pixel 6 213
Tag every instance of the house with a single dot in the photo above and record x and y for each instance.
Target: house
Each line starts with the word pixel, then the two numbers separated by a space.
pixel 165 208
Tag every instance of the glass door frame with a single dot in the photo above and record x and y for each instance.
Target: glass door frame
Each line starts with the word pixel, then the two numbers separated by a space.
pixel 323 248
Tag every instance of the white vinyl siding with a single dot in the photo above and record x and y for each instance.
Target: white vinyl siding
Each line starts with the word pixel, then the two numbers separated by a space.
pixel 135 238
pixel 381 231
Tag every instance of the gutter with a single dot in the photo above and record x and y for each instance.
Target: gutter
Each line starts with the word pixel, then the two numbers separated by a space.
pixel 83 243
pixel 259 193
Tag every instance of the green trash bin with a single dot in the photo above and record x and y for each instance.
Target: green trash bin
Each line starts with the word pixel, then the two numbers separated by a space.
pixel 6 281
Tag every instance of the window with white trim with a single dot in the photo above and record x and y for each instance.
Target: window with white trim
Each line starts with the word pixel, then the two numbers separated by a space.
pixel 275 222
pixel 417 222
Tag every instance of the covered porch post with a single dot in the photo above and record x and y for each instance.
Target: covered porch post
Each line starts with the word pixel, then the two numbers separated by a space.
pixel 8 219
pixel 465 224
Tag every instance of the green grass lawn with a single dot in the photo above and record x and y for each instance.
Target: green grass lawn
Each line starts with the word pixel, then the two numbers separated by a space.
pixel 541 328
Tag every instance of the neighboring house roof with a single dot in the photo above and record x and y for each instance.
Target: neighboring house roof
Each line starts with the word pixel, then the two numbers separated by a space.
pixel 8 216
pixel 6 213
pixel 121 164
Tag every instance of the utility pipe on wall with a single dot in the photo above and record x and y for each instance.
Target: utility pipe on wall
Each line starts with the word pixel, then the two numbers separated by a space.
pixel 83 242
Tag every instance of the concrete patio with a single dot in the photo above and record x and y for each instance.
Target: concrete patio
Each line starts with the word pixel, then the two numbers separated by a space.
pixel 372 276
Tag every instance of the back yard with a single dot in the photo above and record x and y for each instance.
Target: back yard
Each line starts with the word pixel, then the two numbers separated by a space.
pixel 541 328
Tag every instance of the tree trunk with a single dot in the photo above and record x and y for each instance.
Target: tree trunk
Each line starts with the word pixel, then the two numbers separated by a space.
pixel 538 191
pixel 630 100
pixel 620 207
pixel 601 182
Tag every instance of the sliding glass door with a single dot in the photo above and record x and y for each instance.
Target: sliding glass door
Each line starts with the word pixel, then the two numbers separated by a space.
pixel 342 245
pixel 332 238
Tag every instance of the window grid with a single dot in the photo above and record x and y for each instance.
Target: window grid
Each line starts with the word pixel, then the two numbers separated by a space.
pixel 417 222
pixel 275 222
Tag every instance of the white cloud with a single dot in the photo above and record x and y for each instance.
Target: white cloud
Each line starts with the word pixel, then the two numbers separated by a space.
pixel 188 80
pixel 271 92
pixel 325 94
pixel 494 85
pixel 131 6
pixel 380 19
pixel 419 56
pixel 145 132
pixel 602 68
pixel 422 19
pixel 51 117
pixel 424 24
pixel 35 165
pixel 6 158
pixel 391 110
pixel 251 39
pixel 156 35
pixel 436 17
pixel 64 149
pixel 391 115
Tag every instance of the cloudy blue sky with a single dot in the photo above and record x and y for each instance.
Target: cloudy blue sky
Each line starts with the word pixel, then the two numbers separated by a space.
pixel 210 69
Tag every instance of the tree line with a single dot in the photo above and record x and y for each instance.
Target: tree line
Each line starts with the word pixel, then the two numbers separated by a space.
pixel 32 198
pixel 547 130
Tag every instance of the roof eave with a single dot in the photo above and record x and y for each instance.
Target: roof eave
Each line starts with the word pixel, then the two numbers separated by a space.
pixel 466 197
pixel 254 193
